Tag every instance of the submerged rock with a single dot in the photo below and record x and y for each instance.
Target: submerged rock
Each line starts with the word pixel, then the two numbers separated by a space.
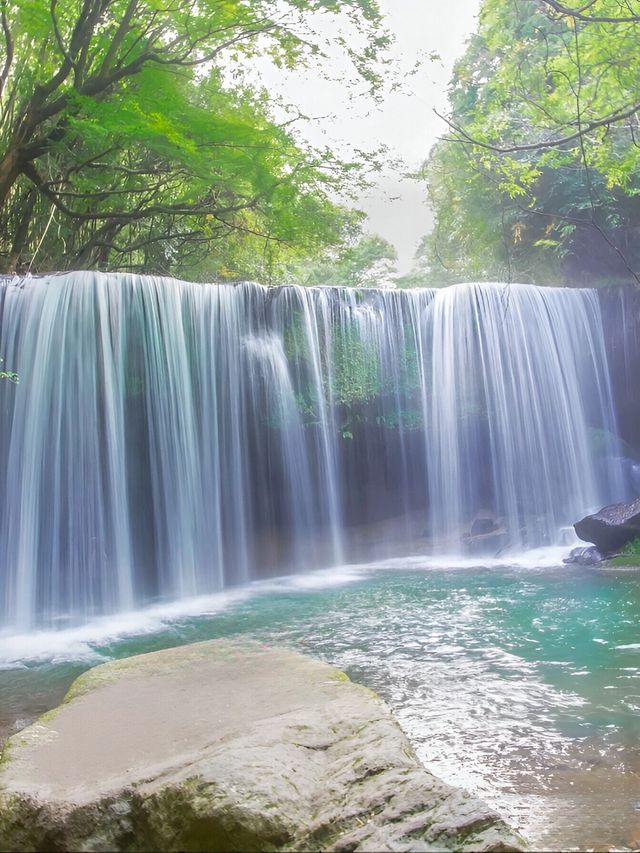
pixel 584 556
pixel 612 527
pixel 487 544
pixel 224 746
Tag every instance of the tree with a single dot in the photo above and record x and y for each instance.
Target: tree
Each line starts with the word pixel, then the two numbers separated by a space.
pixel 127 139
pixel 368 262
pixel 540 173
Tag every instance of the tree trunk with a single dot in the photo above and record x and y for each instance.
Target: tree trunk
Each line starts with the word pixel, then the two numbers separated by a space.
pixel 27 203
pixel 10 168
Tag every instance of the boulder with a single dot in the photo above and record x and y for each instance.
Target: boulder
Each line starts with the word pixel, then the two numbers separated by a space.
pixel 612 527
pixel 487 544
pixel 584 556
pixel 228 746
pixel 484 522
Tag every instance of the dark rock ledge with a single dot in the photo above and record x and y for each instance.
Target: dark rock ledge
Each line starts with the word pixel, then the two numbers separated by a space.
pixel 609 529
pixel 228 746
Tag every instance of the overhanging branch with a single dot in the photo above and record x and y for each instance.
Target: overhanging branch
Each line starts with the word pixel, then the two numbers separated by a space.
pixel 579 14
pixel 584 130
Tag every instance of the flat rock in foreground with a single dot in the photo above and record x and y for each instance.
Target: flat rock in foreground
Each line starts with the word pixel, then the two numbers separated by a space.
pixel 227 746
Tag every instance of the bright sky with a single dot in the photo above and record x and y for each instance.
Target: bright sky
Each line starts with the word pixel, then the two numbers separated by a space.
pixel 405 121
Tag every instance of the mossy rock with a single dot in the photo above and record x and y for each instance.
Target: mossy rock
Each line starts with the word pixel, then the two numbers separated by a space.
pixel 228 746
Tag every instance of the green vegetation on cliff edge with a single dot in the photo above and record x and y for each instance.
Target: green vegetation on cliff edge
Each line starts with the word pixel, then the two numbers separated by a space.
pixel 538 179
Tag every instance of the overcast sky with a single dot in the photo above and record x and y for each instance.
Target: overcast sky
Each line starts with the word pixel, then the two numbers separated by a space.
pixel 405 121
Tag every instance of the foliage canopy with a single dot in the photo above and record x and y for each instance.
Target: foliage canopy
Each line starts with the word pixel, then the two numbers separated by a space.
pixel 539 176
pixel 129 140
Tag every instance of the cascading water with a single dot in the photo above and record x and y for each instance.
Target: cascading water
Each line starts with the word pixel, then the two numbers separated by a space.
pixel 168 439
pixel 518 379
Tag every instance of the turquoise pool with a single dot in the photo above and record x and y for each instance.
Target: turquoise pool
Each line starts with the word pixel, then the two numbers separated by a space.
pixel 520 682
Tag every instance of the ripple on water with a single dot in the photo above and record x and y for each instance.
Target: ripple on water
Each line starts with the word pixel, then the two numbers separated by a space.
pixel 520 683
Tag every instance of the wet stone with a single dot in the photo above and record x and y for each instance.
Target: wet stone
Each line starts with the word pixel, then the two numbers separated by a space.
pixel 229 746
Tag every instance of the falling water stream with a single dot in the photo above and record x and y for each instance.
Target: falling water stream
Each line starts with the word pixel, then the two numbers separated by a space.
pixel 171 439
pixel 172 449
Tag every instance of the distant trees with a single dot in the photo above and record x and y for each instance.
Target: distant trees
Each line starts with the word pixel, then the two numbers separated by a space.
pixel 539 175
pixel 368 262
pixel 129 141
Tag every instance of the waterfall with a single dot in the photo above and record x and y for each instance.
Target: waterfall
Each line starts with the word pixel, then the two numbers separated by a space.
pixel 518 385
pixel 170 439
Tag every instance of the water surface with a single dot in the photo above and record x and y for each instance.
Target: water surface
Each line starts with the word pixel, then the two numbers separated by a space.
pixel 520 683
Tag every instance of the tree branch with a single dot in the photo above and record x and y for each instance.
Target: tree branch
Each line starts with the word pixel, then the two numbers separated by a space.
pixel 202 209
pixel 578 14
pixel 583 130
pixel 9 48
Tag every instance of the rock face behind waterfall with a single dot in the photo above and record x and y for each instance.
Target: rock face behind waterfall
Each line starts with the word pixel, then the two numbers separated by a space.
pixel 228 747
pixel 612 527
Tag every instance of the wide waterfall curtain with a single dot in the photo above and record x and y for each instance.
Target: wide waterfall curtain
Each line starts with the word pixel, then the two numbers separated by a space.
pixel 168 439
